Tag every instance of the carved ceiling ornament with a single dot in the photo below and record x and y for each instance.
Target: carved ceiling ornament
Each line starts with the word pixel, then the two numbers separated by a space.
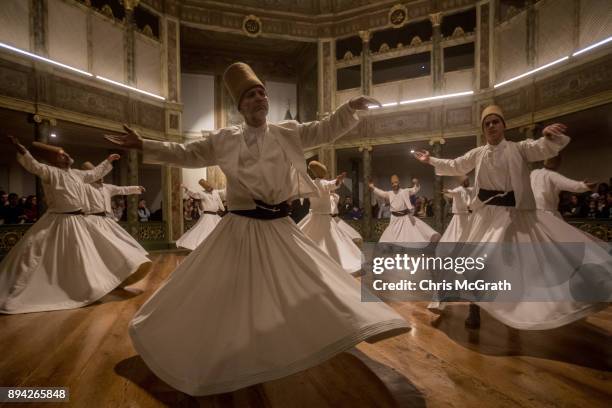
pixel 107 11
pixel 251 25
pixel 398 15
pixel 416 40
pixel 458 32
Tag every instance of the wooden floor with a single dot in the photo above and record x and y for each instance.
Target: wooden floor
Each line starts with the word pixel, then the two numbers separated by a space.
pixel 438 363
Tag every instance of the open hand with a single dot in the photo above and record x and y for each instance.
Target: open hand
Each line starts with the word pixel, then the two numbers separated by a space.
pixel 556 129
pixel 363 102
pixel 130 139
pixel 422 156
pixel 113 157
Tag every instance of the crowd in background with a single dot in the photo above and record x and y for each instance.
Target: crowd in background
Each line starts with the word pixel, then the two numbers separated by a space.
pixel 596 204
pixel 24 209
pixel 19 210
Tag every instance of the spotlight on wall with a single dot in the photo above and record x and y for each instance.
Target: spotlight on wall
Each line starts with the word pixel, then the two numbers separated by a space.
pixel 53 135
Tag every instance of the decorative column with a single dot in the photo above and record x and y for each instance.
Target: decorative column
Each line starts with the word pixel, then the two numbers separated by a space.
pixel 531 33
pixel 129 6
pixel 438 199
pixel 132 200
pixel 38 21
pixel 366 65
pixel 355 181
pixel 483 16
pixel 42 131
pixel 326 77
pixel 436 52
pixel 366 151
pixel 172 177
pixel 327 156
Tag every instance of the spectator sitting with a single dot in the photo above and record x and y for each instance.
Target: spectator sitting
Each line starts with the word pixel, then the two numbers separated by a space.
pixel 13 212
pixel 143 211
pixel 30 209
pixel 592 209
pixel 574 209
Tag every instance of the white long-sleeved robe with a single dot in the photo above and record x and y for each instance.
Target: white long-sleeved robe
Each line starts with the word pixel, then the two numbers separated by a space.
pixel 548 184
pixel 504 168
pixel 406 229
pixel 350 231
pixel 459 224
pixel 252 292
pixel 62 262
pixel 210 202
pixel 98 202
pixel 319 226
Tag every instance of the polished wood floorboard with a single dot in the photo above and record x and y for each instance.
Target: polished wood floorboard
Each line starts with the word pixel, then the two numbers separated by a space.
pixel 438 363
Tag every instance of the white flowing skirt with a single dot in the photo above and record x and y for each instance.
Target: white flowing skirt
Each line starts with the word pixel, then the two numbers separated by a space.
pixel 328 236
pixel 457 228
pixel 64 262
pixel 512 226
pixel 198 233
pixel 115 230
pixel 350 231
pixel 256 301
pixel 409 230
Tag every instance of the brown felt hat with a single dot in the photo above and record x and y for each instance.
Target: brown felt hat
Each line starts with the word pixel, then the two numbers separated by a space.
pixel 205 184
pixel 239 78
pixel 45 151
pixel 317 168
pixel 87 166
pixel 492 110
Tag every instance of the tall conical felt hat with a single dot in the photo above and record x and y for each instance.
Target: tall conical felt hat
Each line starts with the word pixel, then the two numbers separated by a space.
pixel 239 78
pixel 492 110
pixel 317 168
pixel 205 184
pixel 395 178
pixel 45 151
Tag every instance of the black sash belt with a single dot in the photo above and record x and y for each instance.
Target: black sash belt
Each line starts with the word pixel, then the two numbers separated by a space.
pixel 99 214
pixel 76 212
pixel 503 201
pixel 334 215
pixel 265 211
pixel 209 212
pixel 400 213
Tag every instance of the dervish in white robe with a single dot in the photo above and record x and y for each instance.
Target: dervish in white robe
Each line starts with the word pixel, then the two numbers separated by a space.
pixel 257 300
pixel 459 224
pixel 63 262
pixel 404 227
pixel 547 184
pixel 319 226
pixel 504 212
pixel 211 204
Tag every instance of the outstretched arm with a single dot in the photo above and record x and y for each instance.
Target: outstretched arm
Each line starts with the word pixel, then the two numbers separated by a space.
pixel 29 162
pixel 449 167
pixel 124 190
pixel 552 142
pixel 98 172
pixel 567 184
pixel 377 191
pixel 340 122
pixel 192 155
